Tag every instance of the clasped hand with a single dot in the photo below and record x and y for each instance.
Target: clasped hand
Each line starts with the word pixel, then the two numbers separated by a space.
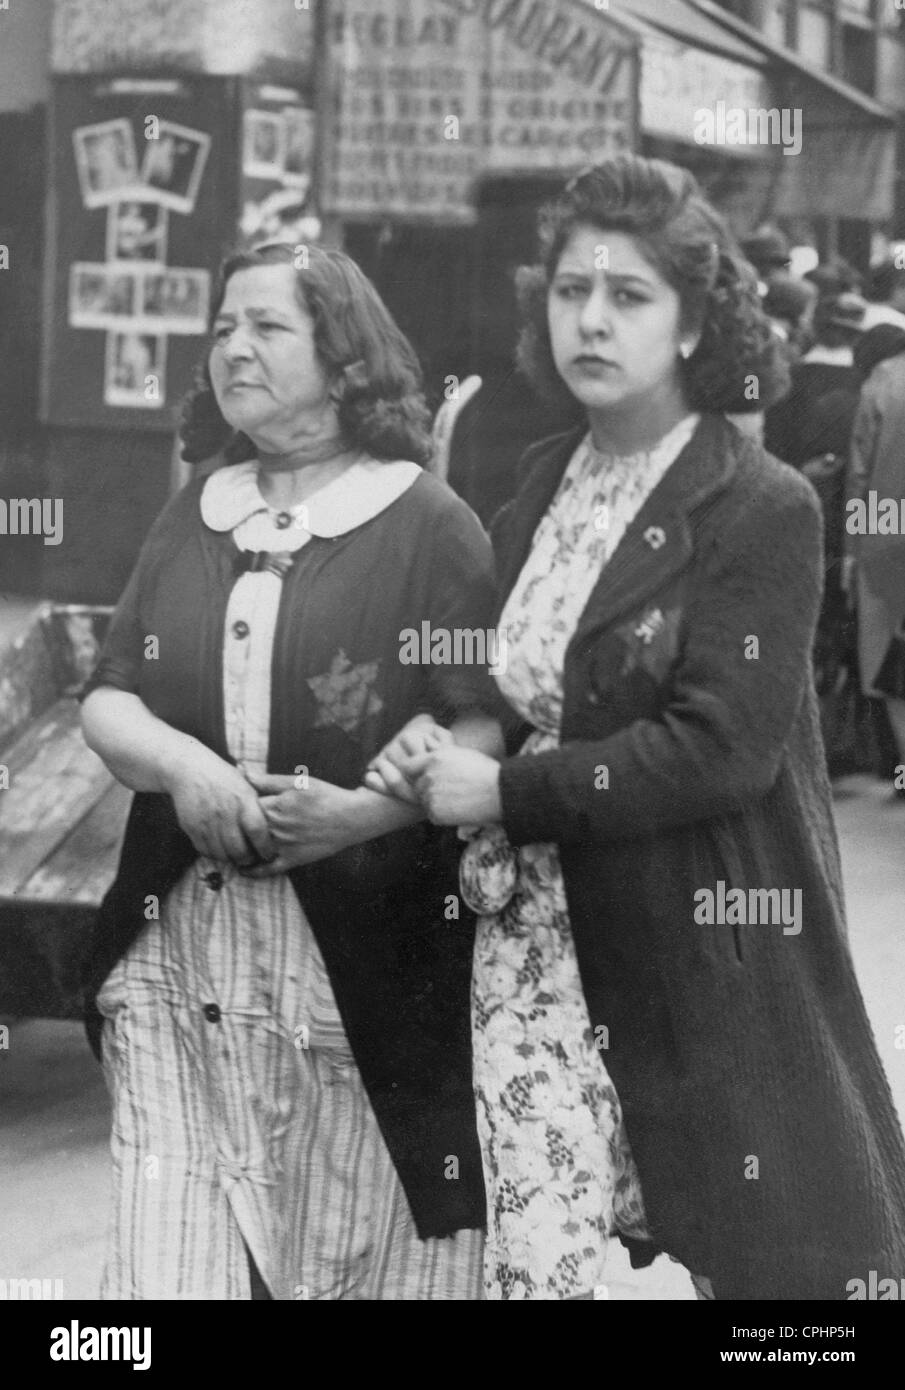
pixel 267 824
pixel 453 785
pixel 263 825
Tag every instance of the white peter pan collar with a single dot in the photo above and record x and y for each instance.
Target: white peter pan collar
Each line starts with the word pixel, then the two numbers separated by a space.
pixel 231 495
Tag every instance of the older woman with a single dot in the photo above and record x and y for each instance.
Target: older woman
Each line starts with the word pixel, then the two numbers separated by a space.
pixel 284 996
pixel 670 1043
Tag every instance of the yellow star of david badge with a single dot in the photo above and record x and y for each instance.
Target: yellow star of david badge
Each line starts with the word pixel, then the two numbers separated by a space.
pixel 344 695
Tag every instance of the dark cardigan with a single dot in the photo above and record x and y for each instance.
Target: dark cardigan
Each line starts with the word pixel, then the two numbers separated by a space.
pixel 762 1124
pixel 398 959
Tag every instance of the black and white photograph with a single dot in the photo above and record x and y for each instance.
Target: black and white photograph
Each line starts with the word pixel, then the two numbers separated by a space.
pixel 452 668
pixel 264 148
pixel 135 370
pixel 137 231
pixel 101 296
pixel 106 161
pixel 300 138
pixel 176 300
pixel 173 166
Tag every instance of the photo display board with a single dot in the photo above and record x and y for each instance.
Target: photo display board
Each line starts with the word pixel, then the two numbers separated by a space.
pixel 145 190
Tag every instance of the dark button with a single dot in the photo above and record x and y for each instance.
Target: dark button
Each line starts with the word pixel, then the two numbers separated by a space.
pixel 214 881
pixel 283 520
pixel 241 629
pixel 211 1013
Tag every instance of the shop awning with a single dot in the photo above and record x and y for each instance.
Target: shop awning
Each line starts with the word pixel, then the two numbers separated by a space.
pixel 690 64
pixel 846 167
pixel 683 22
pixel 722 19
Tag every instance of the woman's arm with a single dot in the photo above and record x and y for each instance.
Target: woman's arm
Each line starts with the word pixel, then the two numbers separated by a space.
pixel 480 732
pixel 320 820
pixel 140 750
pixel 214 803
pixel 461 703
pixel 372 815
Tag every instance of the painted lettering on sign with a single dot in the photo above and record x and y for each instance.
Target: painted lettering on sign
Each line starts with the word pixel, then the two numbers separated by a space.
pixel 427 104
pixel 589 54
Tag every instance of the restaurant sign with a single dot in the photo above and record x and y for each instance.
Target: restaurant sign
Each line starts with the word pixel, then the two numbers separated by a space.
pixel 429 96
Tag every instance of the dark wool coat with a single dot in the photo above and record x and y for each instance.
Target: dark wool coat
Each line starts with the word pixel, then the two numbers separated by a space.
pixel 757 1109
pixel 400 969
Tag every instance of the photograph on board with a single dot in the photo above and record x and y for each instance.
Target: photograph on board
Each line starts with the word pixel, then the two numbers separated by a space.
pixel 173 166
pixel 263 145
pixel 299 152
pixel 175 301
pixel 137 231
pixel 101 296
pixel 106 161
pixel 135 370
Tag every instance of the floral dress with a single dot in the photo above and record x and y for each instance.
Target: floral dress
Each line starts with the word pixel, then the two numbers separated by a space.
pixel 559 1172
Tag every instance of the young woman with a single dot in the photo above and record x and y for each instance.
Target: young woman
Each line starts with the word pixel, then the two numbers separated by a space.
pixel 669 1040
pixel 284 1002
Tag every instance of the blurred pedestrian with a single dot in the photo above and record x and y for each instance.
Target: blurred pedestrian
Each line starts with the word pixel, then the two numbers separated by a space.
pixel 835 276
pixel 769 253
pixel 811 429
pixel 768 250
pixel 787 305
pixel 886 295
pixel 877 556
pixel 816 415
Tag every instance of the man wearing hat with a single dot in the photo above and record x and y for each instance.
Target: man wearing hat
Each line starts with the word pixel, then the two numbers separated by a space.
pixel 769 252
pixel 887 291
pixel 814 422
pixel 817 414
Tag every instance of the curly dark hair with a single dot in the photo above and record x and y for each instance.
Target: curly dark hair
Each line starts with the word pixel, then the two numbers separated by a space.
pixel 374 374
pixel 688 242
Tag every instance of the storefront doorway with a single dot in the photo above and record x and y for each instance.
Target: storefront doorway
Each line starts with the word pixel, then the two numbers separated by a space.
pixel 451 289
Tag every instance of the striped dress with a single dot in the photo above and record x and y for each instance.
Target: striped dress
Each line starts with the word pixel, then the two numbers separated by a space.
pixel 240 1121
